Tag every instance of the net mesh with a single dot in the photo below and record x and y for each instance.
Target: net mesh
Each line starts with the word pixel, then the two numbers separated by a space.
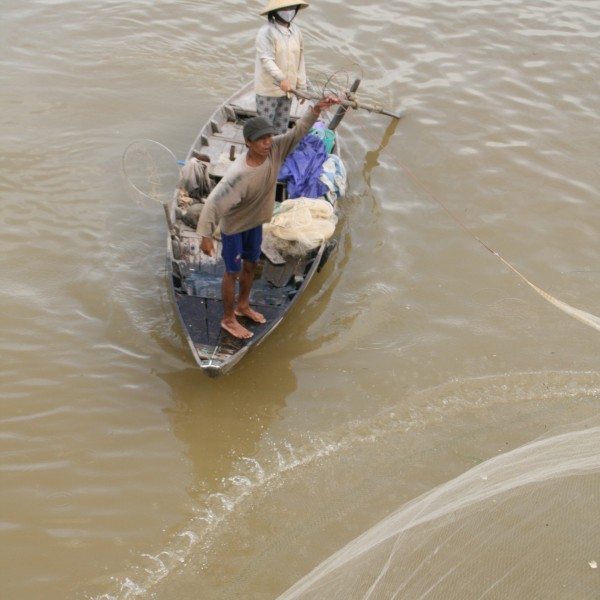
pixel 300 225
pixel 519 526
pixel 151 169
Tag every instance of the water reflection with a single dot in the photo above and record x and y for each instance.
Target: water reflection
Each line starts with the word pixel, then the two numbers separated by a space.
pixel 224 427
pixel 222 421
pixel 372 156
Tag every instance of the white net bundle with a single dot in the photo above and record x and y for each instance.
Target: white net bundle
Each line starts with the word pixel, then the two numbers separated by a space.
pixel 521 526
pixel 300 225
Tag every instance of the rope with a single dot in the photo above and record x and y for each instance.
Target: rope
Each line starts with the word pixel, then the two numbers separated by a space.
pixel 584 317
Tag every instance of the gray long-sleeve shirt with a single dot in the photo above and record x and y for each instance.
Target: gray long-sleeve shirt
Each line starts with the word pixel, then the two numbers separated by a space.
pixel 245 197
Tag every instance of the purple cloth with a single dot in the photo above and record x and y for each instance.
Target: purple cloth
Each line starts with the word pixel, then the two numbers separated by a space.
pixel 302 168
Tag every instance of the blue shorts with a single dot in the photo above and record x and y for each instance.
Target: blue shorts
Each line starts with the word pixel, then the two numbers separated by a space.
pixel 241 246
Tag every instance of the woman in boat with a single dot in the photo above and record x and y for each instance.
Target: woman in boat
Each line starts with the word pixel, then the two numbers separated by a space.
pixel 279 62
pixel 241 202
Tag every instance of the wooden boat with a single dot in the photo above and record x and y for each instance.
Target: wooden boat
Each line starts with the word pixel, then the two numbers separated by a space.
pixel 195 279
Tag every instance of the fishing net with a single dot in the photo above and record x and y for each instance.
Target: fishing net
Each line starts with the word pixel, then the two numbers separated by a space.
pixel 151 169
pixel 154 172
pixel 335 83
pixel 300 225
pixel 522 525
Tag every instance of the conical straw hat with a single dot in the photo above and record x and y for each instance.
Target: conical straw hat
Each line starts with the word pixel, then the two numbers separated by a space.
pixel 277 4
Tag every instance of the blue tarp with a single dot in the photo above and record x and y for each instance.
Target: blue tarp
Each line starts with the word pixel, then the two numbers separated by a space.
pixel 302 168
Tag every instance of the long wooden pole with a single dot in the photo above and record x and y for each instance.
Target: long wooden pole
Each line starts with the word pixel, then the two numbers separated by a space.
pixel 353 104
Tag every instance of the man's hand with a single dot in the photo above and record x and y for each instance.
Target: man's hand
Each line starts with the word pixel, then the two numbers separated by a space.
pixel 285 86
pixel 207 246
pixel 327 102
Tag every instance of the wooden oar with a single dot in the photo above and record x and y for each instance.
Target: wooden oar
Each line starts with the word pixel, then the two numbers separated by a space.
pixel 353 103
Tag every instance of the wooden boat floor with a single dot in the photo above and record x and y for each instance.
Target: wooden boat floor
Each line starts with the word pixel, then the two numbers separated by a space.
pixel 200 316
pixel 201 308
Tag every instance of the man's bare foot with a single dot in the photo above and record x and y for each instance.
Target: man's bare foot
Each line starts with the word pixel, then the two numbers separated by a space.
pixel 236 330
pixel 251 314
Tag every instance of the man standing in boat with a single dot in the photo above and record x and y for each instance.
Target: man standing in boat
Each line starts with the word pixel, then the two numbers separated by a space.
pixel 241 202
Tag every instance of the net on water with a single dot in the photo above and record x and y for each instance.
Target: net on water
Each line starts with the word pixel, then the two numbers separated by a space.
pixel 522 525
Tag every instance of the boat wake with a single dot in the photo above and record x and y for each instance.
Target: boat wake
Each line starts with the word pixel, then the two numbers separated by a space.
pixel 251 478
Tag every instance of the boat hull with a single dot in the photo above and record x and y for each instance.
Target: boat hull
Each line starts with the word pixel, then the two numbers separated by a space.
pixel 195 279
